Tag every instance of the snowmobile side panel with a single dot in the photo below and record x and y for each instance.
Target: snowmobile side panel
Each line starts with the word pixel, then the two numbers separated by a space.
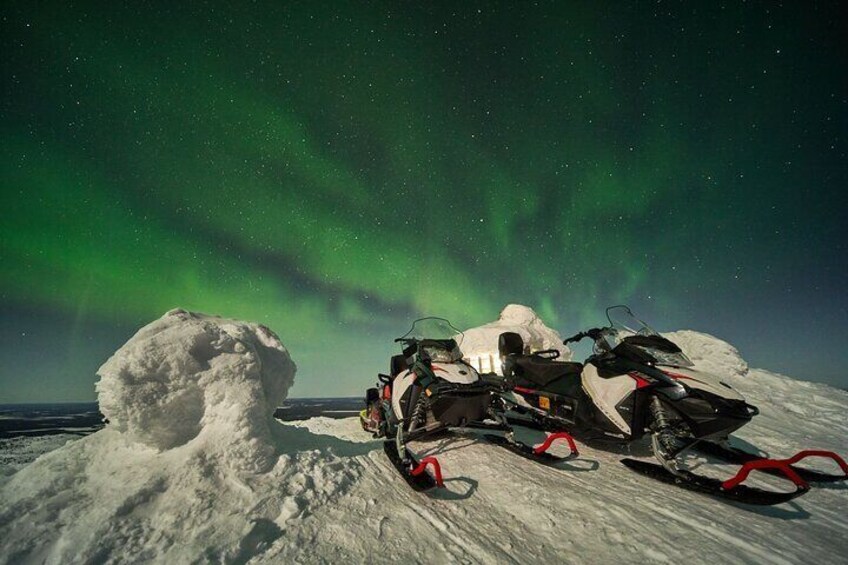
pixel 608 392
pixel 400 390
pixel 709 415
pixel 713 487
pixel 460 408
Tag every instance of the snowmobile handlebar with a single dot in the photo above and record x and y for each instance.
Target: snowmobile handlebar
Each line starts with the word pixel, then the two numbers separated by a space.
pixel 594 333
pixel 406 340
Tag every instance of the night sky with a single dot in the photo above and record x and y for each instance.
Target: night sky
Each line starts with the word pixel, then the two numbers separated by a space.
pixel 334 170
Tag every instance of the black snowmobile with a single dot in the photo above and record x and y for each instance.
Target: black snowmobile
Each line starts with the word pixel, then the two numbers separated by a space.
pixel 431 389
pixel 638 382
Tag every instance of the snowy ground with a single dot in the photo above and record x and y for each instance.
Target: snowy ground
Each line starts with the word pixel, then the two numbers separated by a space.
pixel 500 508
pixel 193 468
pixel 18 452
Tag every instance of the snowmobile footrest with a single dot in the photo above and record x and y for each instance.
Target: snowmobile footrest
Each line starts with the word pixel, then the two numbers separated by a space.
pixel 543 448
pixel 523 450
pixel 411 470
pixel 713 487
pixel 437 469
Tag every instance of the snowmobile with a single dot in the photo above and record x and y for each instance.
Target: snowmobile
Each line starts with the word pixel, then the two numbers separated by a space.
pixel 430 389
pixel 637 382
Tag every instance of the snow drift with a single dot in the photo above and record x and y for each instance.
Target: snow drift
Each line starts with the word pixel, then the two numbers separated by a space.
pixel 186 373
pixel 480 344
pixel 192 466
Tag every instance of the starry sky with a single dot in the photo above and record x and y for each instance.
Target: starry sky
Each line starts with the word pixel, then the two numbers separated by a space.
pixel 334 170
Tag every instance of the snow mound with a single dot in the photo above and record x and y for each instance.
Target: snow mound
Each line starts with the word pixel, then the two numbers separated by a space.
pixel 187 371
pixel 192 466
pixel 709 353
pixel 480 344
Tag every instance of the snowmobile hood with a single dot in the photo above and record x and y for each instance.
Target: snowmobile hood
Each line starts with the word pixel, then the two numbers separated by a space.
pixel 703 381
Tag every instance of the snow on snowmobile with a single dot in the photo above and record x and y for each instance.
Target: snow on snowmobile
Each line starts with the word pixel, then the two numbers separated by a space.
pixel 431 389
pixel 638 382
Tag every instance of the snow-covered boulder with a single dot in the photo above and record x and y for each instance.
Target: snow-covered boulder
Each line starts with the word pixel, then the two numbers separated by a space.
pixel 191 467
pixel 480 345
pixel 709 353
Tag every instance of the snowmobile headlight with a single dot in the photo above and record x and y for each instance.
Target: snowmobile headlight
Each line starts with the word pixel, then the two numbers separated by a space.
pixel 675 392
pixel 441 355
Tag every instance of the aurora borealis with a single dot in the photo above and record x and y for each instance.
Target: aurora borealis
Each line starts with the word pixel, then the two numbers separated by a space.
pixel 335 170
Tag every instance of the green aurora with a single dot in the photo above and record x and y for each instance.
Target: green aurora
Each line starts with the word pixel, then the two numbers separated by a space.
pixel 335 170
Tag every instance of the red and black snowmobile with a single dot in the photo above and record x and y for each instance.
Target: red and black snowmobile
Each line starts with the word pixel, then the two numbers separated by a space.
pixel 431 389
pixel 638 382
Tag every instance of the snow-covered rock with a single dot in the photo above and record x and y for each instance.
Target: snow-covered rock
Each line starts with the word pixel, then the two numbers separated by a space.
pixel 480 345
pixel 710 353
pixel 192 466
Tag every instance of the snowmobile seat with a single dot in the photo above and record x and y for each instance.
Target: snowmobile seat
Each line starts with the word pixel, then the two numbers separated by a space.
pixel 536 371
pixel 397 365
pixel 510 343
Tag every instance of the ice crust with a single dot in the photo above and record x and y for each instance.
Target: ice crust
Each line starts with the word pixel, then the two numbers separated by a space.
pixel 480 345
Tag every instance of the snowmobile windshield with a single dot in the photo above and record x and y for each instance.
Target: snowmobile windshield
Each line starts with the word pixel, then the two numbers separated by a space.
pixel 437 338
pixel 625 322
pixel 625 328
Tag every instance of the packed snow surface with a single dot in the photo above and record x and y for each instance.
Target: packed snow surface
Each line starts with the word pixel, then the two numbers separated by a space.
pixel 237 487
pixel 480 345
pixel 18 452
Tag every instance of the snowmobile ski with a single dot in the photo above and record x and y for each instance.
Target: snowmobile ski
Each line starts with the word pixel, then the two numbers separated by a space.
pixel 734 455
pixel 413 471
pixel 540 453
pixel 731 489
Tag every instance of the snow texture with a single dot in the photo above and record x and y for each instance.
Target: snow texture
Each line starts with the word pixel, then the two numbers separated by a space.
pixel 480 345
pixel 18 452
pixel 330 495
pixel 709 353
